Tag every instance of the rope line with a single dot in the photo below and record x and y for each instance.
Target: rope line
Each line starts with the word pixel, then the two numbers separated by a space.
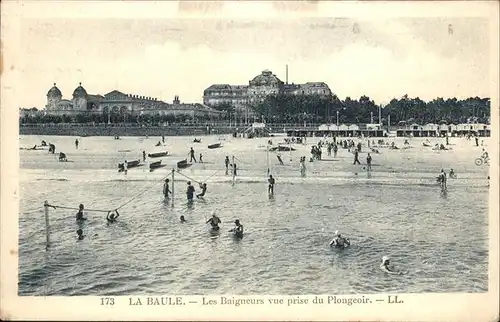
pixel 123 205
pixel 74 208
pixel 188 177
pixel 194 180
pixel 143 192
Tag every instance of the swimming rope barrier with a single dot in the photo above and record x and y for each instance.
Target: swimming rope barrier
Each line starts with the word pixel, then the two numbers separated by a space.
pixel 119 207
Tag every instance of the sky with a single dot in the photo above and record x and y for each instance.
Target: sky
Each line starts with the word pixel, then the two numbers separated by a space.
pixel 163 57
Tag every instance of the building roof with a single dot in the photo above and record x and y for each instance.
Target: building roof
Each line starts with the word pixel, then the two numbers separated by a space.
pixel 218 87
pixel 80 91
pixel 54 92
pixel 266 78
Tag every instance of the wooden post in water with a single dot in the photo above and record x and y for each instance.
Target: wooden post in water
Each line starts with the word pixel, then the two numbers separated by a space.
pixel 47 233
pixel 234 171
pixel 173 185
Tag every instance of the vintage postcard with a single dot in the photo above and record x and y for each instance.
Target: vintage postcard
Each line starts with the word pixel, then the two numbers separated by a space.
pixel 233 160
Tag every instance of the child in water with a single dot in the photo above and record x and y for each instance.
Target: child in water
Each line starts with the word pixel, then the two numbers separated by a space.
pixel 79 232
pixel 238 229
pixel 79 214
pixel 111 217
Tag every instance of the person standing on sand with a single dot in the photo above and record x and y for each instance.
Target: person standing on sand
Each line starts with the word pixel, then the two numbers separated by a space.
pixel 191 153
pixel 226 161
pixel 143 156
pixel 369 162
pixel 356 155
pixel 76 144
pixel 125 167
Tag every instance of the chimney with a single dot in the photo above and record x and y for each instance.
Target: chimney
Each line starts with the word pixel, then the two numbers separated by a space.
pixel 287 74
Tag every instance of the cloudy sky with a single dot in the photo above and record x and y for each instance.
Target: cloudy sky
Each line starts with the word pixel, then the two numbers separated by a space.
pixel 162 57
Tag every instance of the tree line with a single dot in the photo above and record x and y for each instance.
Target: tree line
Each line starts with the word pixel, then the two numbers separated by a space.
pixel 285 108
pixel 313 108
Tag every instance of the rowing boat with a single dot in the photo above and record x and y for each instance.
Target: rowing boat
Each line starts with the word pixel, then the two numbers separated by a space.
pixel 157 154
pixel 155 165
pixel 130 164
pixel 183 164
pixel 214 146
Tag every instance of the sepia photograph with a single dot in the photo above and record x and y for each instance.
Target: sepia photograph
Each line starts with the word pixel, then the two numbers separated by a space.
pixel 249 161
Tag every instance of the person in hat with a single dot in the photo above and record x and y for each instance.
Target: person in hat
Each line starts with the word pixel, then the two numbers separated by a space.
pixel 166 189
pixel 214 221
pixel 238 229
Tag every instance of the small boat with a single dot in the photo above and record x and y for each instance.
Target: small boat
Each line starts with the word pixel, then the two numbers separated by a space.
pixel 155 165
pixel 183 164
pixel 157 154
pixel 130 164
pixel 425 144
pixel 214 146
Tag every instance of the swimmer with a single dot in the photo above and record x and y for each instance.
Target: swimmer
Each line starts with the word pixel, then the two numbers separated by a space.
pixel 214 221
pixel 166 189
pixel 111 217
pixel 452 174
pixel 182 219
pixel 238 229
pixel 235 172
pixel 339 241
pixel 190 192
pixel 442 179
pixel 203 187
pixel 80 236
pixel 270 188
pixel 79 214
pixel 388 267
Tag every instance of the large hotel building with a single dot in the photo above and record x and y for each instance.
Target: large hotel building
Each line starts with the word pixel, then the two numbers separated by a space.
pixel 242 97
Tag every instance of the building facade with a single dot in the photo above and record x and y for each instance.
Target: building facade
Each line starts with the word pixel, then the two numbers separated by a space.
pixel 241 97
pixel 118 103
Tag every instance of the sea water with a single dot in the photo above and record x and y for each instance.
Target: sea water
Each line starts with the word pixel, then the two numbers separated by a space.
pixel 397 209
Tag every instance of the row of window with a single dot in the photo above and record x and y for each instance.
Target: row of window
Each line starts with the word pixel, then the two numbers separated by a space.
pixel 268 92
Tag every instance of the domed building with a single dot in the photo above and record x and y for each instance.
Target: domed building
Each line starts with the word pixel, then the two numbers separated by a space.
pixel 117 107
pixel 242 97
pixel 54 96
pixel 80 98
pixel 263 85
